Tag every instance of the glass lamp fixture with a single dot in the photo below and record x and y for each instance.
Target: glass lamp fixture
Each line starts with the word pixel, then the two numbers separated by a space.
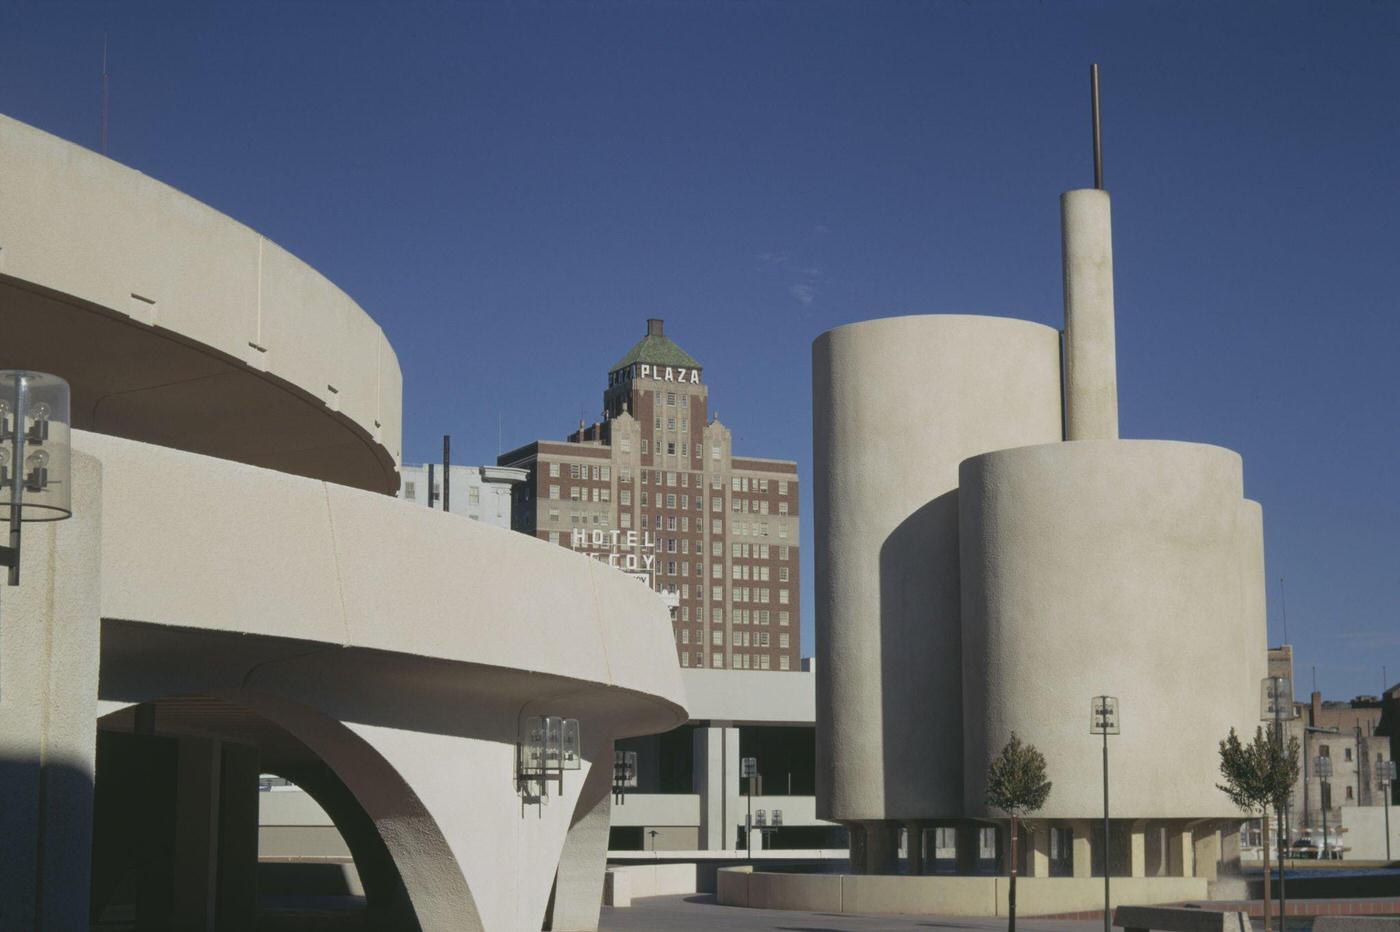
pixel 1322 766
pixel 35 455
pixel 1276 699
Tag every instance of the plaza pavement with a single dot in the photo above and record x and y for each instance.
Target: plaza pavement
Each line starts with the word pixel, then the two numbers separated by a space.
pixel 700 913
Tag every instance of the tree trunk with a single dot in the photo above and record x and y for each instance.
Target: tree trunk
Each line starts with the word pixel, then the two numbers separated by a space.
pixel 1267 872
pixel 1011 891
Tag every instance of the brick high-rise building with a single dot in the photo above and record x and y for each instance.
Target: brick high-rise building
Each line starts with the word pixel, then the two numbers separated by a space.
pixel 655 489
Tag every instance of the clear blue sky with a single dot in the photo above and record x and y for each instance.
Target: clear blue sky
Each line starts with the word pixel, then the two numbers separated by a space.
pixel 510 189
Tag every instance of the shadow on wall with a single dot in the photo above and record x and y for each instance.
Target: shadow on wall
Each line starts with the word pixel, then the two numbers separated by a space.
pixel 921 661
pixel 45 824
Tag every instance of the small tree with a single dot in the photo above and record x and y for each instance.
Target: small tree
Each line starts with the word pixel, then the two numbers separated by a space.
pixel 1259 776
pixel 1016 785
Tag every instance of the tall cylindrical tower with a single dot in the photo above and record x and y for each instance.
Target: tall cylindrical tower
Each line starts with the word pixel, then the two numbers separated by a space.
pixel 897 405
pixel 1091 367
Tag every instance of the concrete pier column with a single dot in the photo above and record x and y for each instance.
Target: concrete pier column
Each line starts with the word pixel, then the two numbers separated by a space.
pixel 967 846
pixel 716 780
pixel 1091 368
pixel 196 864
pixel 1037 848
pixel 914 845
pixel 881 847
pixel 1137 849
pixel 48 715
pixel 1181 851
pixel 855 833
pixel 237 897
pixel 578 882
pixel 1207 853
pixel 1082 852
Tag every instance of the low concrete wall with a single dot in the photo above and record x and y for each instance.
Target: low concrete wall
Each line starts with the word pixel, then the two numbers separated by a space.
pixel 1357 924
pixel 659 879
pixel 945 896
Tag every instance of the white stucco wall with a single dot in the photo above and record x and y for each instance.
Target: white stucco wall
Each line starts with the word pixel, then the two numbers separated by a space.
pixel 1126 568
pixel 897 405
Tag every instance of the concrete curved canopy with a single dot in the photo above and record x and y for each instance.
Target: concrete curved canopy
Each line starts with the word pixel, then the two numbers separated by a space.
pixel 178 326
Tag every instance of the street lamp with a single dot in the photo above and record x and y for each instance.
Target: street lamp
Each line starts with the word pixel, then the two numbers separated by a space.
pixel 1385 775
pixel 548 746
pixel 1103 720
pixel 1322 765
pixel 1276 705
pixel 35 454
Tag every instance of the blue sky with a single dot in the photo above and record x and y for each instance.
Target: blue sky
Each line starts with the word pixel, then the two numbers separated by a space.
pixel 511 189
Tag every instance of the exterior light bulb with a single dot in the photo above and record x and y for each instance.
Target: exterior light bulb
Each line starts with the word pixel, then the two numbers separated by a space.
pixel 40 411
pixel 37 460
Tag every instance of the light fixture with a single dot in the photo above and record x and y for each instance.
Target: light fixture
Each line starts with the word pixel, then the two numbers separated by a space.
pixel 548 746
pixel 35 455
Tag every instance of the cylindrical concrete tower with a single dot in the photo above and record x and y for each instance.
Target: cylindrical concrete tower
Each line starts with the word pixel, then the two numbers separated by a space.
pixel 897 405
pixel 1091 367
pixel 1128 568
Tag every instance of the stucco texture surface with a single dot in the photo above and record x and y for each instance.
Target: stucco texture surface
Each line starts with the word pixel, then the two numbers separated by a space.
pixel 1125 568
pixel 898 403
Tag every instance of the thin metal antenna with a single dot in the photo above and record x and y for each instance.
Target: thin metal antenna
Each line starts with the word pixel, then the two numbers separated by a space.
pixel 1283 601
pixel 1098 138
pixel 104 93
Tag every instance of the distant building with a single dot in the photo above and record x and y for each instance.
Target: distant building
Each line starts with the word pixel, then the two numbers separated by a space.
pixel 656 490
pixel 1355 735
pixel 482 493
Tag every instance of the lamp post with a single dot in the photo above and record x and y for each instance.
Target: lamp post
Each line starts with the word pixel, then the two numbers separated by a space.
pixel 1276 705
pixel 1103 720
pixel 1385 775
pixel 1322 765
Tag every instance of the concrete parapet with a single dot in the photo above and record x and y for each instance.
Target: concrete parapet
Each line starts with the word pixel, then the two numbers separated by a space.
pixel 1357 924
pixel 947 896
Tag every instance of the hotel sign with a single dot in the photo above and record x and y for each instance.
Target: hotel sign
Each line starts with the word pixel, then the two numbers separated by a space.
pixel 645 370
pixel 632 552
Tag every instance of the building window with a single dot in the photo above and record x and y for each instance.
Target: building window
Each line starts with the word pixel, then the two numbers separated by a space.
pixel 717 660
pixel 626 519
pixel 554 514
pixel 576 471
pixel 782 486
pixel 783 617
pixel 670 423
pixel 717 637
pixel 409 492
pixel 671 448
pixel 763 661
pixel 644 445
pixel 714 452
pixel 671 399
pixel 554 491
pixel 717 593
pixel 607 473
pixel 783 509
pixel 624 496
pixel 783 600
pixel 716 572
pixel 554 537
pixel 785 664
pixel 670 500
pixel 717 526
pixel 473 495
pixel 626 444
pixel 1349 796
pixel 717 615
pixel 1346 755
pixel 658 423
pixel 783 642
pixel 783 573
pixel 685 659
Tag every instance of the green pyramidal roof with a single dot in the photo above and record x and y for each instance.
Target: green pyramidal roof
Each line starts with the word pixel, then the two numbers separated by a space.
pixel 656 349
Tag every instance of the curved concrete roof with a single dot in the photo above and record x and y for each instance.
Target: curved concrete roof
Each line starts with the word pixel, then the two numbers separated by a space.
pixel 405 600
pixel 178 326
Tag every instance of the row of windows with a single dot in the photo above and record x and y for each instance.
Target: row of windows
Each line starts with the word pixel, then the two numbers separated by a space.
pixel 578 493
pixel 671 423
pixel 744 615
pixel 743 483
pixel 758 507
pixel 745 572
pixel 746 551
pixel 582 471
pixel 741 661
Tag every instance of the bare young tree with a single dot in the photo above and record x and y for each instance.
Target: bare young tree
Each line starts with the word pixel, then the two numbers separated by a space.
pixel 1017 786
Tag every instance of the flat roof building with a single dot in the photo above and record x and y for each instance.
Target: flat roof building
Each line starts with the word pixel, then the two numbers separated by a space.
pixel 655 490
pixel 481 493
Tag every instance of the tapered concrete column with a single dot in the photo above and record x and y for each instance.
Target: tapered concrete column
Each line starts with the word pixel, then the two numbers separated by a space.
pixel 855 833
pixel 967 845
pixel 1082 852
pixel 1137 849
pixel 578 884
pixel 1091 368
pixel 49 647
pixel 914 846
pixel 1181 851
pixel 881 847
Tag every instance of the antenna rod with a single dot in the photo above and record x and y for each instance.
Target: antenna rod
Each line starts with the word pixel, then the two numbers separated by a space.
pixel 446 472
pixel 104 94
pixel 1098 138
